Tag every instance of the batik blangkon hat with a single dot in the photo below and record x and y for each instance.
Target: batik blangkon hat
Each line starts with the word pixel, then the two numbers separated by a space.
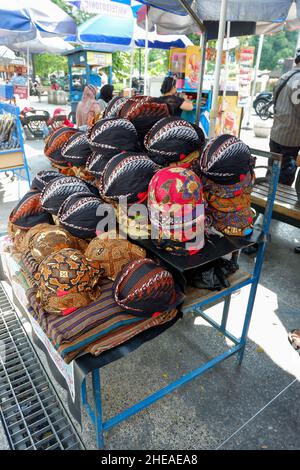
pixel 172 140
pixel 113 108
pixel 115 135
pixel 127 175
pixel 77 150
pixel 67 280
pixel 176 210
pixel 79 214
pixel 55 142
pixel 113 254
pixel 42 178
pixel 226 160
pixel 56 192
pixel 144 288
pixel 29 212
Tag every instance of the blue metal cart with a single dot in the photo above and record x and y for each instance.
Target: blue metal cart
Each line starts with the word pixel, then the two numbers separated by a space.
pixel 12 152
pixel 214 250
pixel 83 65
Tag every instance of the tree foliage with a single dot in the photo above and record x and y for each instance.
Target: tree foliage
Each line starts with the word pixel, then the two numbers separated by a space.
pixel 49 63
pixel 276 47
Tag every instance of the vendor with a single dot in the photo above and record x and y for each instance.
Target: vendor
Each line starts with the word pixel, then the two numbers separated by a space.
pixel 169 96
pixel 88 110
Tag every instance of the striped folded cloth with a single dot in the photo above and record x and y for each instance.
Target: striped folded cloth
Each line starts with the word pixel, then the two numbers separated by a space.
pixel 100 326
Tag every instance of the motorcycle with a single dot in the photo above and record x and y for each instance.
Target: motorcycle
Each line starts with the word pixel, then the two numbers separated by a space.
pixel 267 111
pixel 261 100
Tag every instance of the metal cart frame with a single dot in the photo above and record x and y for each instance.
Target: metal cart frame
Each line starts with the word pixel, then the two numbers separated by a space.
pixel 95 411
pixel 20 162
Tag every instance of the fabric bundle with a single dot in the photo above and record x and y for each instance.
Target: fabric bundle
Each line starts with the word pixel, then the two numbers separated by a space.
pixel 67 280
pixel 54 144
pixel 56 192
pixel 127 175
pixel 78 214
pixel 226 160
pixel 176 210
pixel 42 178
pixel 77 149
pixel 29 212
pixel 143 112
pixel 101 326
pixel 113 254
pixel 144 288
pixel 229 206
pixel 174 140
pixel 113 108
pixel 228 180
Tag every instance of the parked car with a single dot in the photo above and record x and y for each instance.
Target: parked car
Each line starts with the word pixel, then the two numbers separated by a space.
pixel 261 101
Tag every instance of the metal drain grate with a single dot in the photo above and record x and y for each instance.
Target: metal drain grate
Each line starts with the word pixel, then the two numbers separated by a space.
pixel 32 415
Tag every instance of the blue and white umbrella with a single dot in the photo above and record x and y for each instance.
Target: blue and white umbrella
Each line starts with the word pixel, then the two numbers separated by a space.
pixel 21 19
pixel 108 32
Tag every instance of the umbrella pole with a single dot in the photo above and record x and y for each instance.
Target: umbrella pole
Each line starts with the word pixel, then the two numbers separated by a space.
pixel 131 68
pixel 146 57
pixel 215 98
pixel 226 76
pixel 258 58
pixel 203 41
pixel 27 60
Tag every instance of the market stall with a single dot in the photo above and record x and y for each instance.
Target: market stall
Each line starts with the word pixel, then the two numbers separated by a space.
pixel 93 297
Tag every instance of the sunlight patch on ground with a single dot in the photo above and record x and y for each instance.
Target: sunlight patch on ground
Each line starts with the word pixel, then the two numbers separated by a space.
pixel 266 329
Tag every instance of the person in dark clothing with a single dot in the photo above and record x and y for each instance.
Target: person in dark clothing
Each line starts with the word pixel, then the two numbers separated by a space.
pixel 285 136
pixel 106 93
pixel 169 96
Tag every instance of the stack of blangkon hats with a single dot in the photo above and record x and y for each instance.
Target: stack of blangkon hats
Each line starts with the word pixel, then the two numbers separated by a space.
pixel 175 203
pixel 227 168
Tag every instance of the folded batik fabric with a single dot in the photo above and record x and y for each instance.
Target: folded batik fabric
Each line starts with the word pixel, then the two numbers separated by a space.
pixel 174 140
pixel 30 267
pixel 128 175
pixel 77 149
pixel 112 254
pixel 175 204
pixel 144 288
pixel 57 191
pixel 100 326
pixel 29 211
pixel 66 281
pixel 226 160
pixel 79 215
